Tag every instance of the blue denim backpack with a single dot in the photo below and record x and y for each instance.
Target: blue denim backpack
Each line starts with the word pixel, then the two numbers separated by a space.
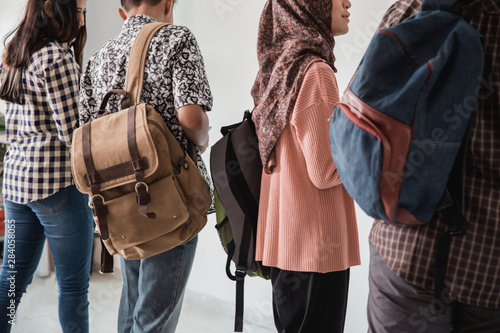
pixel 398 130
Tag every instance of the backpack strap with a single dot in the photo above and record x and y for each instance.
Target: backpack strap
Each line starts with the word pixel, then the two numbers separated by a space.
pixel 96 202
pixel 453 215
pixel 466 9
pixel 133 87
pixel 107 261
pixel 446 5
pixel 241 191
pixel 137 60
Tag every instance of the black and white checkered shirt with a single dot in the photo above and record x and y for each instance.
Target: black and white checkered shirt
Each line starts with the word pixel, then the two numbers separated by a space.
pixel 37 163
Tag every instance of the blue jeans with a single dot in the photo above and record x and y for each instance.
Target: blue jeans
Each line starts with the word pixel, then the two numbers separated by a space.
pixel 153 290
pixel 65 220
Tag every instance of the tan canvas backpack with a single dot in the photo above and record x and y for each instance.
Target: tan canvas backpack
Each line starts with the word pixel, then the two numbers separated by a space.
pixel 147 195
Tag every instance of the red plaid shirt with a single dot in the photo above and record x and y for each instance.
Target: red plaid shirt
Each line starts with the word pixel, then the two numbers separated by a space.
pixel 473 273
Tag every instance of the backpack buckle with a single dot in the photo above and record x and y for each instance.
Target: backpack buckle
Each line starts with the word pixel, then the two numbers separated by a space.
pixel 456 232
pixel 137 189
pixel 93 198
pixel 143 197
pixel 240 274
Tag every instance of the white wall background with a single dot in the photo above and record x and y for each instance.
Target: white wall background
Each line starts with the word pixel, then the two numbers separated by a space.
pixel 227 32
pixel 10 14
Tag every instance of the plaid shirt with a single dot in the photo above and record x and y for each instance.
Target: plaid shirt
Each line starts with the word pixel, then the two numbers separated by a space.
pixel 37 163
pixel 473 273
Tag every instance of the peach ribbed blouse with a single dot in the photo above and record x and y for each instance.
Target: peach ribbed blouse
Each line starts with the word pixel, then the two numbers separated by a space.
pixel 307 221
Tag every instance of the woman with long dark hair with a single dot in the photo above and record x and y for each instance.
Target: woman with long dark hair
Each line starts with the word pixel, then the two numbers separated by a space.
pixel 307 231
pixel 39 80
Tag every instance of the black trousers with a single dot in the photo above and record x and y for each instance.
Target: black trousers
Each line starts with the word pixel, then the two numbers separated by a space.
pixel 305 302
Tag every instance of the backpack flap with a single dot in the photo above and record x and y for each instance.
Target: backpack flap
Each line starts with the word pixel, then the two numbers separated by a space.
pixel 114 169
pixel 110 151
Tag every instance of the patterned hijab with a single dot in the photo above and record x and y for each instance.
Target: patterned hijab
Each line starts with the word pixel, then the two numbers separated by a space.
pixel 292 34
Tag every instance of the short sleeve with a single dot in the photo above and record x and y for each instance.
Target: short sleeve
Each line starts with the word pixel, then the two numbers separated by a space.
pixel 190 82
pixel 88 104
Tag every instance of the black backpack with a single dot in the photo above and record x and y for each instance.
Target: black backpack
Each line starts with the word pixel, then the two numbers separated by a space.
pixel 236 171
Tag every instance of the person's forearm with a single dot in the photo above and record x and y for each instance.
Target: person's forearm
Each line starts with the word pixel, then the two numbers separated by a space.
pixel 194 122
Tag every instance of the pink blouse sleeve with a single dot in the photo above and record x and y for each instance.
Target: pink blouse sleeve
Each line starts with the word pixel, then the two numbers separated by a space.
pixel 310 120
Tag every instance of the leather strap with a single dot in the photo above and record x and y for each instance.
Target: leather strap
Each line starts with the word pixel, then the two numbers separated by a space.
pixel 133 87
pixel 87 153
pixel 132 142
pixel 143 197
pixel 116 171
pixel 137 61
pixel 125 103
pixel 96 200
pixel 107 262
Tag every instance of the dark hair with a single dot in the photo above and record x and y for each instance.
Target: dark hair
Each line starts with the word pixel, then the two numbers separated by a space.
pixel 34 32
pixel 127 4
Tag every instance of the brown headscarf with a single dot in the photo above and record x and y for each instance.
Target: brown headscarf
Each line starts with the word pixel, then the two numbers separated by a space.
pixel 292 34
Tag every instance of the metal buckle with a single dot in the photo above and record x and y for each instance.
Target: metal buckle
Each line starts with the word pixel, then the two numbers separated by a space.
pixel 240 274
pixel 139 184
pixel 92 198
pixel 454 233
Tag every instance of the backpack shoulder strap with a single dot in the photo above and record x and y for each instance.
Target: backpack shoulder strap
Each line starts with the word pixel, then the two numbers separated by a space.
pixel 453 6
pixel 137 60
